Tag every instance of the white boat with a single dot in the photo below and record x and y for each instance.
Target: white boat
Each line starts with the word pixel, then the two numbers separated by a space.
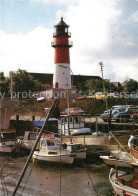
pixel 118 158
pixel 7 140
pixel 110 160
pixel 73 123
pixel 124 184
pixel 51 151
pixel 76 149
pixel 28 140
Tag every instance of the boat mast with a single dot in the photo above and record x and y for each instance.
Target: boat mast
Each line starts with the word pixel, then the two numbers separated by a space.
pixel 106 98
pixel 34 147
pixel 68 114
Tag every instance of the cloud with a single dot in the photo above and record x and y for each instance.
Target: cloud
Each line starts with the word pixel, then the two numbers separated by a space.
pixel 55 1
pixel 31 52
pixel 102 30
pixel 133 17
pixel 99 34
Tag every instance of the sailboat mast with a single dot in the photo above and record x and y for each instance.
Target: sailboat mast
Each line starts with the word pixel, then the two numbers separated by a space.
pixel 106 97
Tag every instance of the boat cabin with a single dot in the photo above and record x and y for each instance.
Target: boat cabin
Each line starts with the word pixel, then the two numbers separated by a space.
pixel 30 135
pixel 131 179
pixel 74 147
pixel 71 122
pixel 50 143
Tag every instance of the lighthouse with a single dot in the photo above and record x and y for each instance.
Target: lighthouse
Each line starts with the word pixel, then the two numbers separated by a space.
pixel 61 44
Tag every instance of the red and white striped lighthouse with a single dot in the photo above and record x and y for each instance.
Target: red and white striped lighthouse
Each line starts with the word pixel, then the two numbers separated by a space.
pixel 61 43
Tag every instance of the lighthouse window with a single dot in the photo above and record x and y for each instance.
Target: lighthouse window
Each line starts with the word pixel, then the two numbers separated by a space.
pixel 66 30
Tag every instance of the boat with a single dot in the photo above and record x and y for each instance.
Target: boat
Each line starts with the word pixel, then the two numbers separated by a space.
pixel 51 151
pixel 81 131
pixel 7 140
pixel 113 161
pixel 77 149
pixel 28 140
pixel 123 183
pixel 73 123
pixel 117 158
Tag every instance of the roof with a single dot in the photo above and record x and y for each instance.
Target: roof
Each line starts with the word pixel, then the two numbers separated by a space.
pixel 38 123
pixel 61 23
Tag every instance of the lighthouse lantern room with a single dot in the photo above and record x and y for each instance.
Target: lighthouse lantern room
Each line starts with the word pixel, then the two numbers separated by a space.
pixel 61 43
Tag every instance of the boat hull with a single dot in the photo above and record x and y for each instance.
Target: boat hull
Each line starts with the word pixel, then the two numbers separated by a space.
pixel 118 187
pixel 80 155
pixel 28 145
pixel 68 159
pixel 115 162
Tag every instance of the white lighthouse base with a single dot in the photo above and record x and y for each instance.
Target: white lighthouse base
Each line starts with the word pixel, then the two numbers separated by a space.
pixel 59 93
pixel 62 76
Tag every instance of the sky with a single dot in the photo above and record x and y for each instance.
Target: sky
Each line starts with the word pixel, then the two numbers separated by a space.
pixel 101 30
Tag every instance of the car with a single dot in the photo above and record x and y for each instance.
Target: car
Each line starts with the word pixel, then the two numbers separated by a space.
pixel 125 115
pixel 75 110
pixel 99 95
pixel 134 117
pixel 118 106
pixel 104 116
pixel 113 110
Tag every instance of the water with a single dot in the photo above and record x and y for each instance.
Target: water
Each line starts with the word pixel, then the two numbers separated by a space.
pixel 55 180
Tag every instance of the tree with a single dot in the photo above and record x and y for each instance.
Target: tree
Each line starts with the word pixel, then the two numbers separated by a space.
pixel 130 85
pixel 97 86
pixel 4 83
pixel 22 81
pixel 94 85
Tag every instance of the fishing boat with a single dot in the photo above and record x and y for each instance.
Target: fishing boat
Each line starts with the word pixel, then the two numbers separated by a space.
pixel 113 161
pixel 28 140
pixel 117 158
pixel 51 151
pixel 125 183
pixel 73 123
